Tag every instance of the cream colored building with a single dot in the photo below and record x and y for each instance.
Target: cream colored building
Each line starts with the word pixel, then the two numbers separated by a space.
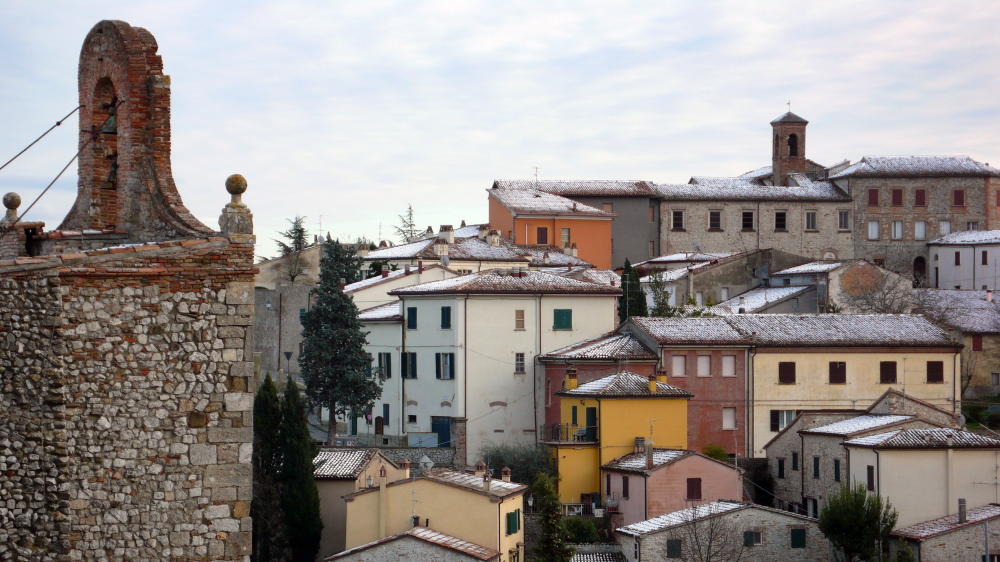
pixel 486 512
pixel 924 472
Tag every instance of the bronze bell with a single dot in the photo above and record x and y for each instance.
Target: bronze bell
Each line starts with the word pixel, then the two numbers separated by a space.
pixel 111 125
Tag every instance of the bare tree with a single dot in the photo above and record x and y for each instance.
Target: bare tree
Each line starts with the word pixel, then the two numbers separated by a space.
pixel 869 289
pixel 407 227
pixel 712 535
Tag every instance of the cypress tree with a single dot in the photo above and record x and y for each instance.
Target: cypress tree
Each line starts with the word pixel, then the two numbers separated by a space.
pixel 335 367
pixel 553 546
pixel 299 495
pixel 633 300
pixel 269 541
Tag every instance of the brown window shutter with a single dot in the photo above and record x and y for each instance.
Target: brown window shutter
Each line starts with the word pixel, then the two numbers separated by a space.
pixel 920 198
pixel 959 197
pixel 871 478
pixel 887 372
pixel 977 343
pixel 625 487
pixel 935 371
pixel 897 197
pixel 694 488
pixel 786 373
pixel 775 420
pixel 838 372
pixel 873 198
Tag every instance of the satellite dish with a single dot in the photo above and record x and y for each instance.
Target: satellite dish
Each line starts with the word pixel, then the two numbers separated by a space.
pixel 961 420
pixel 445 261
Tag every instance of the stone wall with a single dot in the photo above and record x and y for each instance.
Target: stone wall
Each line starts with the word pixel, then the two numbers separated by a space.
pixel 967 543
pixel 408 548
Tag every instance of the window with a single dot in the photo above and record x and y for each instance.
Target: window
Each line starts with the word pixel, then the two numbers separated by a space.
pixel 635 550
pixel 752 538
pixel 958 258
pixel 781 468
pixel 729 418
pixel 518 362
pixel 445 317
pixel 897 197
pixel 798 538
pixel 445 365
pixel 985 261
pixel 302 315
pixel 678 221
pixel 945 227
pixel 873 230
pixel 704 365
pixel 977 343
pixel 897 230
pixel 786 282
pixel 607 484
pixel 873 198
pixel 724 294
pixel 673 548
pixel 513 521
pixel 887 372
pixel 518 319
pixel 815 467
pixel 652 249
pixel 959 200
pixel 573 416
pixel 844 220
pixel 729 365
pixel 625 487
pixel 565 237
pixel 793 145
pixel 548 392
pixel 795 461
pixel 781 418
pixel 715 220
pixel 838 372
pixel 972 225
pixel 694 488
pixel 748 221
pixel 836 470
pixel 699 298
pixel 920 230
pixel 608 207
pixel 920 198
pixel 562 319
pixel 871 478
pixel 409 365
pixel 935 371
pixel 995 379
pixel 385 364
pixel 542 235
pixel 811 220
pixel 781 221
pixel 411 318
pixel 652 213
pixel 679 363
pixel 412 418
pixel 786 372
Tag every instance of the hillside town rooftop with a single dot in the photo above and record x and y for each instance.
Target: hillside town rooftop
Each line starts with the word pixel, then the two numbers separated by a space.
pixel 916 166
pixel 624 385
pixel 971 312
pixel 345 463
pixel 926 439
pixel 583 188
pixel 430 536
pixel 968 237
pixel 498 282
pixel 854 425
pixel 928 529
pixel 612 345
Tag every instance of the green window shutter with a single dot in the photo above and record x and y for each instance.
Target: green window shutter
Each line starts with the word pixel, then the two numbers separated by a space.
pixel 815 467
pixel 517 520
pixel 563 319
pixel 411 318
pixel 437 364
pixel 413 365
pixel 302 315
pixel 798 538
pixel 445 317
pixel 673 548
pixel 747 538
pixel 574 415
pixel 836 469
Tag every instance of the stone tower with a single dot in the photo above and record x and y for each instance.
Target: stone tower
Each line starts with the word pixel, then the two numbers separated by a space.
pixel 788 147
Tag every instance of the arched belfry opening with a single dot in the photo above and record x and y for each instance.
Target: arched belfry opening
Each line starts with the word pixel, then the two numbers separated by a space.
pixel 103 125
pixel 793 145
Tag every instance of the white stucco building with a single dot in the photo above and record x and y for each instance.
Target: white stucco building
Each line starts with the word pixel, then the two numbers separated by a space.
pixel 965 260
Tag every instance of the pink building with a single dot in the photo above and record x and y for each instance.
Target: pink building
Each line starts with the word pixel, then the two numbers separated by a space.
pixel 652 482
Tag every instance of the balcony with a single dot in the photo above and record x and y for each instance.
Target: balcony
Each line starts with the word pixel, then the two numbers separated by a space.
pixel 568 433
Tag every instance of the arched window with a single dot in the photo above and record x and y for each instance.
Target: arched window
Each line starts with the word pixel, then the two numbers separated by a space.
pixel 793 145
pixel 919 271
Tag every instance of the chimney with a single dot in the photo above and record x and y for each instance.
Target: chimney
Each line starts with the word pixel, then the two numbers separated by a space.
pixel 649 457
pixel 652 384
pixel 415 521
pixel 505 474
pixel 383 502
pixel 483 231
pixel 441 247
pixel 989 295
pixel 343 283
pixel 480 468
pixel 405 467
pixel 573 250
pixel 420 266
pixel 493 237
pixel 385 273
pixel 383 244
pixel 502 272
pixel 961 510
pixel 743 302
pixel 545 258
pixel 463 223
pixel 661 376
pixel 315 238
pixel 363 251
pixel 447 232
pixel 486 483
pixel 406 269
pixel 640 444
pixel 571 377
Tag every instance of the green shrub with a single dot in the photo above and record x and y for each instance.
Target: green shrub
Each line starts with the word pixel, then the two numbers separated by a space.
pixel 993 419
pixel 974 414
pixel 582 530
pixel 525 461
pixel 716 452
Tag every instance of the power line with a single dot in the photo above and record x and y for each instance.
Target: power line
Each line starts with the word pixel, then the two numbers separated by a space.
pixel 59 122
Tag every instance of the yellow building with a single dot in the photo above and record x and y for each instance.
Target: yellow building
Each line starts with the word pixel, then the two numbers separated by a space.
pixel 464 505
pixel 601 420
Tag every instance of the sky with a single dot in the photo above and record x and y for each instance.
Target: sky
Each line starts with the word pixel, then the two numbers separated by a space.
pixel 347 112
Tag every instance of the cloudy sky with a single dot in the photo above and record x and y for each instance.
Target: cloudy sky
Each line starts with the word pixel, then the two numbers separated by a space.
pixel 349 111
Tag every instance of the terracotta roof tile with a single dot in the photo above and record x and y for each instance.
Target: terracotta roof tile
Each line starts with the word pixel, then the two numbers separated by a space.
pixel 491 281
pixel 608 188
pixel 534 202
pixel 625 385
pixel 916 166
pixel 606 346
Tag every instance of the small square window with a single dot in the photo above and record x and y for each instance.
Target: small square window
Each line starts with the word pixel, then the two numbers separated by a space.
pixel 729 365
pixel 798 538
pixel 780 221
pixel 704 365
pixel 748 220
pixel 752 538
pixel 944 227
pixel 563 319
pixel 838 372
pixel 811 222
pixel 678 220
pixel 844 220
pixel 972 225
pixel 673 548
pixel 786 372
pixel 977 343
pixel 411 418
pixel 935 371
pixel 887 372
pixel 519 363
pixel 715 220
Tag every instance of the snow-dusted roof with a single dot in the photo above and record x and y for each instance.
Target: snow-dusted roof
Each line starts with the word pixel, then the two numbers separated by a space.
pixel 682 257
pixel 582 188
pixel 926 439
pixel 533 202
pixel 761 297
pixel 389 311
pixel 431 536
pixel 476 249
pixel 746 189
pixel 372 281
pixel 681 517
pixel 399 252
pixel 537 253
pixel 916 166
pixel 761 172
pixel 789 117
pixel 491 281
pixel 966 311
pixel 966 237
pixel 333 464
pixel 713 330
pixel 669 275
pixel 474 483
pixel 607 346
pixel 602 277
pixel 636 462
pixel 469 230
pixel 819 266
pixel 624 385
pixel 856 424
pixel 579 556
pixel 928 529
pixel 831 330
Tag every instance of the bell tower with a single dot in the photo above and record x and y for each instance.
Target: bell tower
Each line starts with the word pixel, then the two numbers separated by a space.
pixel 788 147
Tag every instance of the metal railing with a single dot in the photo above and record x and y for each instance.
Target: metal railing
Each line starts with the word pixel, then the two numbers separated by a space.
pixel 568 433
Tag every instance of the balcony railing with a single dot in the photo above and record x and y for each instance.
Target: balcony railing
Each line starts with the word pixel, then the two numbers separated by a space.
pixel 568 433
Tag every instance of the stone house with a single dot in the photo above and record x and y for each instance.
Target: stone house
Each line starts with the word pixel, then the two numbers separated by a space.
pixel 652 482
pixel 731 530
pixel 854 286
pixel 962 535
pixel 339 472
pixel 420 544
pixel 924 472
pixel 965 260
pixel 771 300
pixel 127 342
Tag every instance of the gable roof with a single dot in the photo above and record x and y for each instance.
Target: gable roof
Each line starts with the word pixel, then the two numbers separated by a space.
pixel 474 248
pixel 929 529
pixel 431 536
pixel 344 463
pixel 968 237
pixel 682 257
pixel 582 188
pixel 744 189
pixel 492 282
pixel 636 462
pixel 612 345
pixel 598 556
pixel 457 479
pixel 891 392
pixel 925 439
pixel 710 330
pixel 388 312
pixel 818 266
pixel 966 311
pixel 762 297
pixel 840 330
pixel 864 422
pixel 532 202
pixel 695 513
pixel 624 385
pixel 390 276
pixel 916 166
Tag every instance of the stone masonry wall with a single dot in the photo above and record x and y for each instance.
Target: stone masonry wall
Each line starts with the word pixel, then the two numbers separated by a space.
pixel 408 548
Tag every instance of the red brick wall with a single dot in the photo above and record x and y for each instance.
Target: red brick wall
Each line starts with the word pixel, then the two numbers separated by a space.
pixel 555 374
pixel 711 394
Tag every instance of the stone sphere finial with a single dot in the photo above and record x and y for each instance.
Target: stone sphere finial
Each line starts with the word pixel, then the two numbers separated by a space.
pixel 236 184
pixel 12 200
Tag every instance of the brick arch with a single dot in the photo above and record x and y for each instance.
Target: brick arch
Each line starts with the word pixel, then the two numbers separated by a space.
pixel 146 204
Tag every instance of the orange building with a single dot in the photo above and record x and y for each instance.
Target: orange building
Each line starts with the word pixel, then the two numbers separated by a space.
pixel 527 217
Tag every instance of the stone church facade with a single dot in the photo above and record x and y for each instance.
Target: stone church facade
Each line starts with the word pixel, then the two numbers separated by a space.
pixel 126 341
